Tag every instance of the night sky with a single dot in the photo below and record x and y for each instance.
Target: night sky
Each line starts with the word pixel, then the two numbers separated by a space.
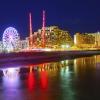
pixel 71 15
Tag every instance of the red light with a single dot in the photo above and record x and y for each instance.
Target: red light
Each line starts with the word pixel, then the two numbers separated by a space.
pixel 43 30
pixel 44 79
pixel 31 81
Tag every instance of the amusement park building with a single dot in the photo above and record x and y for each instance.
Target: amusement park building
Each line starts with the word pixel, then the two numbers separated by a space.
pixel 54 37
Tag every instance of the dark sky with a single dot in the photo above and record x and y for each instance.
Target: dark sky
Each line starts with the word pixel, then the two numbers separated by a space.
pixel 71 15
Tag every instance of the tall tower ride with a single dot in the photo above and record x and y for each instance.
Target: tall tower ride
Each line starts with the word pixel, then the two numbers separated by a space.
pixel 30 29
pixel 43 29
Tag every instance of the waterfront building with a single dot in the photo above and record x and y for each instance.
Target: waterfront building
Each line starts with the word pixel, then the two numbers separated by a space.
pixel 84 40
pixel 54 37
pixel 87 39
pixel 97 38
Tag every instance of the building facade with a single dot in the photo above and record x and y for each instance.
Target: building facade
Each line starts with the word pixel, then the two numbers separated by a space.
pixel 97 38
pixel 54 37
pixel 84 40
pixel 24 44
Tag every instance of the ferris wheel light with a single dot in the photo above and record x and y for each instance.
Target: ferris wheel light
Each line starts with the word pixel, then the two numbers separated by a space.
pixel 10 39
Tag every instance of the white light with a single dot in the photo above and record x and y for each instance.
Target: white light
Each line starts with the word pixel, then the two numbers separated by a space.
pixel 62 46
pixel 47 49
pixel 11 72
pixel 67 46
pixel 43 49
pixel 62 62
pixel 75 40
pixel 11 77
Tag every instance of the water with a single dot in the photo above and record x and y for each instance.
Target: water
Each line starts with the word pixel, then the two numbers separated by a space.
pixel 77 79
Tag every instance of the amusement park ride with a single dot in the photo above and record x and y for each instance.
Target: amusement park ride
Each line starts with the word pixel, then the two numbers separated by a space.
pixel 30 35
pixel 11 43
pixel 42 34
pixel 11 38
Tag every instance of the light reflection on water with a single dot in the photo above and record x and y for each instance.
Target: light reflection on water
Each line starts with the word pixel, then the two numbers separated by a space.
pixel 77 79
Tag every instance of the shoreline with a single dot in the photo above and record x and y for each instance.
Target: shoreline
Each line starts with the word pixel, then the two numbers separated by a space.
pixel 40 55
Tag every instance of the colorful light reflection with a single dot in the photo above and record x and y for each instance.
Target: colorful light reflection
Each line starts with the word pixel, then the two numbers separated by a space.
pixel 11 77
pixel 11 72
pixel 31 80
pixel 43 78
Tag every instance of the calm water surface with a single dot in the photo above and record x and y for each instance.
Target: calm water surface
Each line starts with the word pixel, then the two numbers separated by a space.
pixel 77 79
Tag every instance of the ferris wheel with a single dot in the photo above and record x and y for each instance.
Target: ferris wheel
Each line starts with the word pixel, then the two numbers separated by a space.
pixel 10 39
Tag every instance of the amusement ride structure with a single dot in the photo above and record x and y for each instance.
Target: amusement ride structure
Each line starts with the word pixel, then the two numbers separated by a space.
pixel 11 39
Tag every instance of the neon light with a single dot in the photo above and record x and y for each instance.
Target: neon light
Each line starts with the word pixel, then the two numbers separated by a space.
pixel 30 20
pixel 43 30
pixel 30 26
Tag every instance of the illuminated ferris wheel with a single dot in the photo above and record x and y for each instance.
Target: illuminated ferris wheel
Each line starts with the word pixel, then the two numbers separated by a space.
pixel 10 39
